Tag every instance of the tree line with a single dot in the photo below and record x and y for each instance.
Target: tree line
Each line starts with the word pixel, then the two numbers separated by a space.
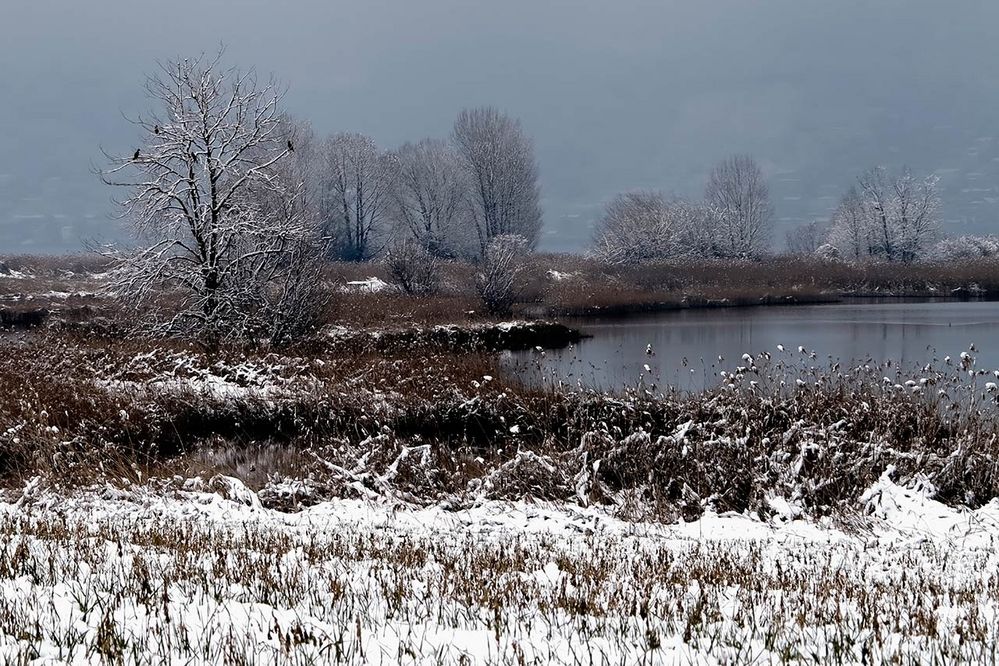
pixel 450 196
pixel 884 217
pixel 236 205
pixel 734 220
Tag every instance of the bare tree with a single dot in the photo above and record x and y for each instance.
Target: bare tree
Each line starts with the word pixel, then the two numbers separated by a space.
pixel 892 218
pixel 498 282
pixel 226 240
pixel 737 189
pixel 805 239
pixel 499 158
pixel 903 212
pixel 850 230
pixel 431 191
pixel 356 189
pixel 646 226
pixel 638 226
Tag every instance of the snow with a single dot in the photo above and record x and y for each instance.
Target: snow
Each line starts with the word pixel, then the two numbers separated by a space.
pixel 371 285
pixel 379 582
pixel 560 276
pixel 184 374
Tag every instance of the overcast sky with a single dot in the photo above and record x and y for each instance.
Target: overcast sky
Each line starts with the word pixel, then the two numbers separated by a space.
pixel 618 95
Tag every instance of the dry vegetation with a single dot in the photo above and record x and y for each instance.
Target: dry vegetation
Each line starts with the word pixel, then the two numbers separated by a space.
pixel 377 493
pixel 140 578
pixel 351 412
pixel 372 424
pixel 54 289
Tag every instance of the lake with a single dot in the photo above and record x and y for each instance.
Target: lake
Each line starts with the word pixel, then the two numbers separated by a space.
pixel 690 347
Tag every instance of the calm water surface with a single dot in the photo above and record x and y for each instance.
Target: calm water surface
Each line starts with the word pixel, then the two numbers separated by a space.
pixel 687 344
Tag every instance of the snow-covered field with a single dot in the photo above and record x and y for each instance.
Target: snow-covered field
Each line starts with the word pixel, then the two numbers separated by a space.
pixel 167 574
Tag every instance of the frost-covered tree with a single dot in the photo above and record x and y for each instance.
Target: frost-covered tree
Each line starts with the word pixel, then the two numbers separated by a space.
pixel 646 226
pixel 964 248
pixel 298 172
pixel 850 229
pixel 887 217
pixel 902 210
pixel 499 159
pixel 738 190
pixel 635 227
pixel 431 196
pixel 356 191
pixel 225 249
pixel 805 239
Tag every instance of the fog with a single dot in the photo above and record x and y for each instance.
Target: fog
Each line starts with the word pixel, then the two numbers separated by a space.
pixel 617 95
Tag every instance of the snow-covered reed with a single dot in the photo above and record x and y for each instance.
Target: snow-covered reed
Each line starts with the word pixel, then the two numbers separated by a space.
pixel 433 426
pixel 170 575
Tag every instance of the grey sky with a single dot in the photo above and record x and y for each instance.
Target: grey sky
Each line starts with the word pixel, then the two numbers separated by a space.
pixel 617 95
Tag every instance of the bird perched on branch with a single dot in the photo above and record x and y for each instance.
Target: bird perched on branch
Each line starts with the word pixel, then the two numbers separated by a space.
pixel 156 129
pixel 136 155
pixel 291 148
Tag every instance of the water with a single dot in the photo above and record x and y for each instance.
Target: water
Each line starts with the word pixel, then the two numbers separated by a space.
pixel 687 344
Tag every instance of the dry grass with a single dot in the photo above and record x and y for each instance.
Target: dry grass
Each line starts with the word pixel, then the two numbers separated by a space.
pixel 147 581
pixel 590 288
pixel 434 426
pixel 553 285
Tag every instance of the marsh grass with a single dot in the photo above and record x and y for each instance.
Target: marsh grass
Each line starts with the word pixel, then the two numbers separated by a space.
pixel 241 588
pixel 431 426
pixel 70 289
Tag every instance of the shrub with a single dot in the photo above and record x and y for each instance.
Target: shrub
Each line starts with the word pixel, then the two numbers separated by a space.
pixel 413 267
pixel 498 283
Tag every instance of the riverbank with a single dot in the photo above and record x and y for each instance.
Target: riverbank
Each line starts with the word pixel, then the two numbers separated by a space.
pixel 434 424
pixel 384 491
pixel 554 286
pixel 55 290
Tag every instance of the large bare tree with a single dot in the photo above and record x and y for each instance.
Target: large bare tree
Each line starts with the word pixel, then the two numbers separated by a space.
pixel 888 217
pixel 431 189
pixel 902 210
pixel 356 191
pixel 222 238
pixel 500 161
pixel 738 190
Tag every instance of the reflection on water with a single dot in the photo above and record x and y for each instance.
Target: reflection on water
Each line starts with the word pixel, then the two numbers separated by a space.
pixel 687 349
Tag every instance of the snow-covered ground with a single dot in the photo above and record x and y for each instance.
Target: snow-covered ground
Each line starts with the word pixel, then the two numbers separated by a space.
pixel 187 576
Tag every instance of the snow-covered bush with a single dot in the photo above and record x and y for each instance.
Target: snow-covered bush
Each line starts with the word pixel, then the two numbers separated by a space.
pixel 645 226
pixel 828 252
pixel 413 267
pixel 964 247
pixel 498 281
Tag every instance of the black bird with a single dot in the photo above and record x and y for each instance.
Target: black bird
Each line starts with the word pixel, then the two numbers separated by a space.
pixel 156 130
pixel 291 148
pixel 136 155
